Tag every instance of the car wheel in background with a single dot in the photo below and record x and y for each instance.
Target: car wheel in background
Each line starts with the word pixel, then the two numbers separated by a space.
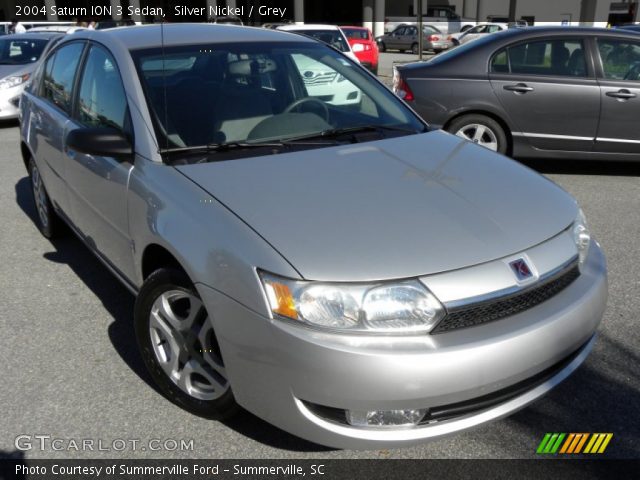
pixel 456 43
pixel 415 49
pixel 481 130
pixel 382 47
pixel 178 345
pixel 47 220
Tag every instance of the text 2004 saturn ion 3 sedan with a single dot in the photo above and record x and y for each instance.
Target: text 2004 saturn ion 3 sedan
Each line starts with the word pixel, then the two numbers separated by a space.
pixel 338 270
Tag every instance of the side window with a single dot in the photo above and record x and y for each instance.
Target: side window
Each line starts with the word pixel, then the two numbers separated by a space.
pixel 549 57
pixel 399 31
pixel 102 101
pixel 60 73
pixel 620 59
pixel 412 31
pixel 500 62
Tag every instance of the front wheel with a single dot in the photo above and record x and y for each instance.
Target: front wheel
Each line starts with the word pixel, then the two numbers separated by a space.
pixel 382 47
pixel 481 130
pixel 179 347
pixel 415 49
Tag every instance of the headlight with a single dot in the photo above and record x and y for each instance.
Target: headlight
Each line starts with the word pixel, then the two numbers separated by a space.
pixel 581 236
pixel 10 82
pixel 399 307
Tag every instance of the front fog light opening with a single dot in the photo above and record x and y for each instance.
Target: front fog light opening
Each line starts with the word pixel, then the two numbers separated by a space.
pixel 386 418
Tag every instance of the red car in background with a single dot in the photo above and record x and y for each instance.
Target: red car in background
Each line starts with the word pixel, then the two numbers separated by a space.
pixel 364 46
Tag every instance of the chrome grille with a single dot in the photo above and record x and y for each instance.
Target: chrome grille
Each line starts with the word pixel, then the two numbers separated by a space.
pixel 318 78
pixel 495 309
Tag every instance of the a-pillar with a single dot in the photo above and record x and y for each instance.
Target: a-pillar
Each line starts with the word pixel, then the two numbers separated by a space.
pixel 378 18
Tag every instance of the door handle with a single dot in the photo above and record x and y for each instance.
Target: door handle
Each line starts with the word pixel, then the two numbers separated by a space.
pixel 518 88
pixel 623 94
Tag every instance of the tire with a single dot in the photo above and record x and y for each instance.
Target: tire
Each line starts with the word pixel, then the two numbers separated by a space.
pixel 374 70
pixel 456 42
pixel 382 47
pixel 482 130
pixel 47 219
pixel 415 49
pixel 178 345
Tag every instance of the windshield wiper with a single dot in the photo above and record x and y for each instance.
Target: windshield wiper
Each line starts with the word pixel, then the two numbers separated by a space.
pixel 336 132
pixel 222 147
pixel 226 147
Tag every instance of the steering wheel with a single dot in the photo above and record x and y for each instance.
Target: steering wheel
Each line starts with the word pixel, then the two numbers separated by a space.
pixel 323 106
pixel 634 72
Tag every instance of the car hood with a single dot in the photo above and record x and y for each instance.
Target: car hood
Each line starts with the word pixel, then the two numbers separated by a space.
pixel 10 70
pixel 395 208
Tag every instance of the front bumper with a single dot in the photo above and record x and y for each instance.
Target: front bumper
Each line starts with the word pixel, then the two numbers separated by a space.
pixel 277 369
pixel 10 102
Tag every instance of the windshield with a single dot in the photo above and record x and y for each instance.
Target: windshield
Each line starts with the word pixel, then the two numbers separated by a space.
pixel 21 51
pixel 330 37
pixel 228 93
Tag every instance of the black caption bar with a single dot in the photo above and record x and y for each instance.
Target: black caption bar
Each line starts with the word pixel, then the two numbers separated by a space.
pixel 315 469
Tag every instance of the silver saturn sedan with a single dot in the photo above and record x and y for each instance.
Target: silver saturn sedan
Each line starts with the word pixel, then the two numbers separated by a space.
pixel 337 269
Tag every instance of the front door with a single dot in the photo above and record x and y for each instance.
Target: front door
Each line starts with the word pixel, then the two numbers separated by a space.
pixel 550 93
pixel 99 185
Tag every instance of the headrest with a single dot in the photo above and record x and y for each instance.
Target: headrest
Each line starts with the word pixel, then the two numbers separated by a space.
pixel 251 67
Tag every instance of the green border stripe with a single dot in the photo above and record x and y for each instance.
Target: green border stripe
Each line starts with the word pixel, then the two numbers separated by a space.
pixel 558 442
pixel 543 443
pixel 552 440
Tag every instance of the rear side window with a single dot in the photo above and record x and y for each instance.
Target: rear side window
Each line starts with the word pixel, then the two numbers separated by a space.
pixel 558 57
pixel 60 72
pixel 102 101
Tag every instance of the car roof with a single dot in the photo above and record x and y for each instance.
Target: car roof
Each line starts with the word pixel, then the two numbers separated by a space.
pixel 148 36
pixel 354 27
pixel 42 35
pixel 308 27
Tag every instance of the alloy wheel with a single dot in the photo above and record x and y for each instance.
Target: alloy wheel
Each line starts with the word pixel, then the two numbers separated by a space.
pixel 185 345
pixel 479 134
pixel 40 196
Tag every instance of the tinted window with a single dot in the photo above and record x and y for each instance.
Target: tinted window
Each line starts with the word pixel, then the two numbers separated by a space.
pixel 620 59
pixel 356 33
pixel 20 52
pixel 59 75
pixel 102 100
pixel 549 57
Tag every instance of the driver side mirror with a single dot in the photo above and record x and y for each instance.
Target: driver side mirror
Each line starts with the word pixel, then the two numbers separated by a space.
pixel 101 142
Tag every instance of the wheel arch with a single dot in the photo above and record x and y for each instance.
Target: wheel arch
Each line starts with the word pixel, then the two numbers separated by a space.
pixel 155 256
pixel 505 126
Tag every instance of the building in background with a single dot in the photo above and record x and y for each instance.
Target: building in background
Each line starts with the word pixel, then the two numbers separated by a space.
pixel 370 13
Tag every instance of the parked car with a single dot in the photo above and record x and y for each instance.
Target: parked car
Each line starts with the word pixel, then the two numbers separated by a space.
pixel 405 38
pixel 363 46
pixel 329 34
pixel 125 22
pixel 19 57
pixel 444 18
pixel 343 273
pixel 476 32
pixel 554 92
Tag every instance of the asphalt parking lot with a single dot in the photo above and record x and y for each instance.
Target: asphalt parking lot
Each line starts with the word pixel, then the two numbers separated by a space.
pixel 71 369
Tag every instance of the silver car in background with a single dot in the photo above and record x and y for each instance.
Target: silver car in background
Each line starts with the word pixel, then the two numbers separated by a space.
pixel 337 269
pixel 19 56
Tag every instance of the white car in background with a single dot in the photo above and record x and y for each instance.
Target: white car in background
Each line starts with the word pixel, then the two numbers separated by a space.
pixel 322 82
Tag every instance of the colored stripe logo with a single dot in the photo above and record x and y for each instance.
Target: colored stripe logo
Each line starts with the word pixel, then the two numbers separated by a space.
pixel 573 443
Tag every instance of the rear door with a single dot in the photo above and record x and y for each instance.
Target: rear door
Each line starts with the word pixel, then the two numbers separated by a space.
pixel 618 65
pixel 50 110
pixel 409 37
pixel 549 90
pixel 99 185
pixel 394 40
